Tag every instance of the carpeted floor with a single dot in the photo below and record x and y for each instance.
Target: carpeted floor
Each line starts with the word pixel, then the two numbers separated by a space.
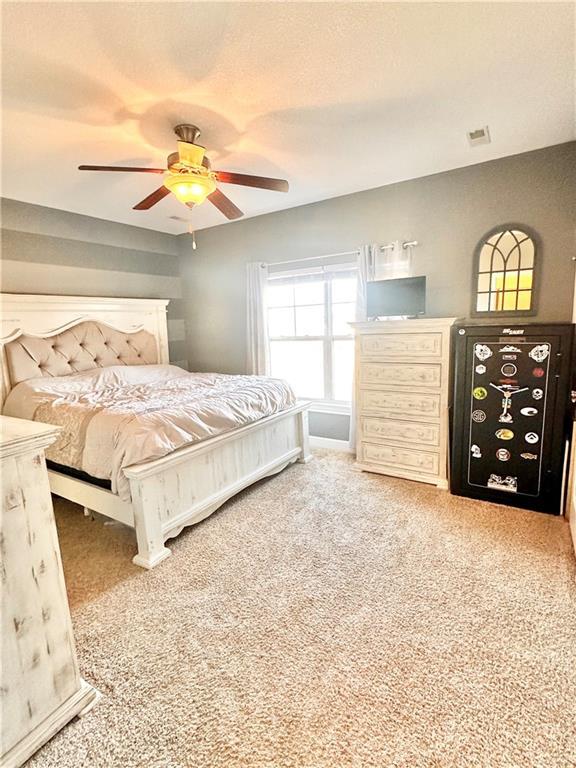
pixel 327 619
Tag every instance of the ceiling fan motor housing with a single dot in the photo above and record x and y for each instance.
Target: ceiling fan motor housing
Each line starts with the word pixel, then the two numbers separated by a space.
pixel 190 154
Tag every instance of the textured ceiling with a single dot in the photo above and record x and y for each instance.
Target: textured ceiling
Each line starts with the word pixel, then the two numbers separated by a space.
pixel 335 97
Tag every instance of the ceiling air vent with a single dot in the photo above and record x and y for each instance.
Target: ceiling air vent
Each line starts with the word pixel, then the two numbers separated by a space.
pixel 478 136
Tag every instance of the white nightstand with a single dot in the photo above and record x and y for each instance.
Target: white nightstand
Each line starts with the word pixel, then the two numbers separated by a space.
pixel 40 681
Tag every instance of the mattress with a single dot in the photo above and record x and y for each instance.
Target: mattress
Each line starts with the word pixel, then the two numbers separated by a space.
pixel 116 417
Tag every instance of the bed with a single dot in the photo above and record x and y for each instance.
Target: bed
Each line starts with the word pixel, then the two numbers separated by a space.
pixel 142 442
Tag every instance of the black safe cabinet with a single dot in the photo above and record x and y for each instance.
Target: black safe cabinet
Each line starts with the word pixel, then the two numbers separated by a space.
pixel 511 387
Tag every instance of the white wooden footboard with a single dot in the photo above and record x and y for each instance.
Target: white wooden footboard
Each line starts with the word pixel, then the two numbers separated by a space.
pixel 188 485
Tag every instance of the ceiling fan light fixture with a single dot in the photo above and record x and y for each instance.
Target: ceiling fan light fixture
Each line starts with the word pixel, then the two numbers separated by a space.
pixel 190 188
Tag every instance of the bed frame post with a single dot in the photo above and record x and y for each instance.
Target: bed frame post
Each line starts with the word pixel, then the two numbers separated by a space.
pixel 151 549
pixel 306 455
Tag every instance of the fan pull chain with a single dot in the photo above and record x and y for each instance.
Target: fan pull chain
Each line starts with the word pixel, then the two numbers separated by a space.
pixel 191 232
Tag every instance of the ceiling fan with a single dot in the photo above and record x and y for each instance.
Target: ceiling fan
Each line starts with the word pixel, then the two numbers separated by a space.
pixel 191 179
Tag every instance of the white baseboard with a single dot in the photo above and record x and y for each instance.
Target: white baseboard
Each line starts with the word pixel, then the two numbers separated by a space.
pixel 329 444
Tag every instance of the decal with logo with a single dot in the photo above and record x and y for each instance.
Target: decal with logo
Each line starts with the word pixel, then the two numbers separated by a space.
pixel 538 372
pixel 507 483
pixel 480 393
pixel 540 352
pixel 530 456
pixel 504 434
pixel 509 369
pixel 531 437
pixel 478 416
pixel 509 348
pixel 537 394
pixel 482 352
pixel 476 452
pixel 503 454
pixel 529 411
pixel 480 369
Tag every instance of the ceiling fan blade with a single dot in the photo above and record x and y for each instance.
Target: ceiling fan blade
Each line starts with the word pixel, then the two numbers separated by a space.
pixel 124 169
pixel 152 199
pixel 225 205
pixel 247 180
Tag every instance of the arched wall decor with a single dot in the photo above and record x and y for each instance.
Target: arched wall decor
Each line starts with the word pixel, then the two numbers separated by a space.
pixel 506 270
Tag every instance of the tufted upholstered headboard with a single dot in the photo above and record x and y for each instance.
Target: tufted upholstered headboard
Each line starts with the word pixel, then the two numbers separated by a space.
pixel 80 348
pixel 60 335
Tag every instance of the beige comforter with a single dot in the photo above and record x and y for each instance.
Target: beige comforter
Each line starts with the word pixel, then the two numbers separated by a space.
pixel 114 417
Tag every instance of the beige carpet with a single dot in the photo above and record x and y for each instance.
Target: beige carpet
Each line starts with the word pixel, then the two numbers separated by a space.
pixel 327 619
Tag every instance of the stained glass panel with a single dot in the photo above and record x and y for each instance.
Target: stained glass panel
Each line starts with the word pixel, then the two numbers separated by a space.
pixel 524 299
pixel 483 283
pixel 482 302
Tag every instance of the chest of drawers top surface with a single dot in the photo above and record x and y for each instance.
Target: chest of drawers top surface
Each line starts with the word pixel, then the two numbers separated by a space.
pixel 415 325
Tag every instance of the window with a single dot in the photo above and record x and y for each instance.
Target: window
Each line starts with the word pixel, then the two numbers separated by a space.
pixel 505 273
pixel 311 343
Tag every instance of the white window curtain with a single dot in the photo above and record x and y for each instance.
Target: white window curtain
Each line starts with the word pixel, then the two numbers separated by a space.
pixel 366 270
pixel 257 348
pixel 394 261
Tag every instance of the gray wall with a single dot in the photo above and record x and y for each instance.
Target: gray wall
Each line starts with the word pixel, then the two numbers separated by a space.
pixel 49 251
pixel 335 426
pixel 447 213
pixel 54 252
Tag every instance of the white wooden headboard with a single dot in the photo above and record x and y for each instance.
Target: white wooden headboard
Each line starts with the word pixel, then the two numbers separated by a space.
pixel 44 317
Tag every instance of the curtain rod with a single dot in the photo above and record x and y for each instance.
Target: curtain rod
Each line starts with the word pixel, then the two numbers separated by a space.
pixel 315 258
pixel 388 246
pixel 405 244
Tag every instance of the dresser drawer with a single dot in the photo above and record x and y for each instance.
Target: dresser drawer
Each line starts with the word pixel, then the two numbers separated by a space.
pixel 407 405
pixel 411 345
pixel 411 432
pixel 401 374
pixel 407 459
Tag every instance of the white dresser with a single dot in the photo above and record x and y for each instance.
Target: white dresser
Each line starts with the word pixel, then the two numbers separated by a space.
pixel 401 397
pixel 41 687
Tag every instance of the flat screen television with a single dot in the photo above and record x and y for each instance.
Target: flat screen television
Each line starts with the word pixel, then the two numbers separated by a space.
pixel 399 297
